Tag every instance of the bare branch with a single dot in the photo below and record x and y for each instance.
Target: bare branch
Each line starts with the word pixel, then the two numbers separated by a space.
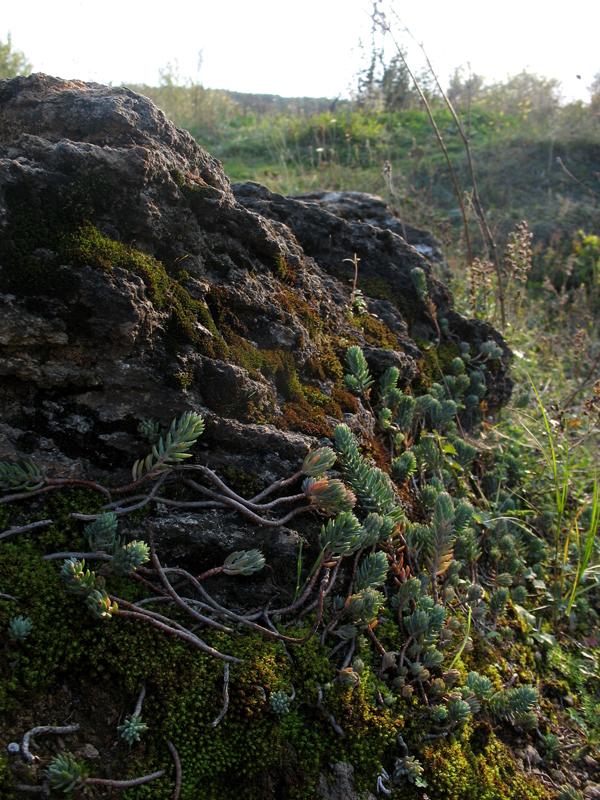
pixel 223 711
pixel 42 523
pixel 41 730
pixel 124 784
pixel 177 762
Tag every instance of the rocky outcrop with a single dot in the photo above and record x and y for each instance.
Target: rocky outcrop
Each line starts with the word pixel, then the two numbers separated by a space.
pixel 135 282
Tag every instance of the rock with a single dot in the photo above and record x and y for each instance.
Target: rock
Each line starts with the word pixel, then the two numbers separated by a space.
pixel 373 210
pixel 89 751
pixel 137 283
pixel 339 784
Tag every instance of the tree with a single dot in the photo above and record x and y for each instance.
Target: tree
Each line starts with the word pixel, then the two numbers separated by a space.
pixel 464 90
pixel 595 92
pixel 12 62
pixel 524 95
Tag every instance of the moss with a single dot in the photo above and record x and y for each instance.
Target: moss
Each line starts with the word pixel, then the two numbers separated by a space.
pixel 247 484
pixel 377 288
pixel 35 665
pixel 326 365
pixel 5 515
pixel 304 418
pixel 66 237
pixel 346 400
pixel 434 363
pixel 306 406
pixel 178 177
pixel 375 332
pixel 184 378
pixel 196 191
pixel 67 647
pixel 38 219
pixel 284 270
pixel 5 779
pixel 381 289
pixel 476 766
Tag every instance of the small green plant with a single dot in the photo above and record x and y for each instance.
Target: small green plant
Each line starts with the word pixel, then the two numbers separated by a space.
pixel 173 448
pixel 280 702
pixel 128 557
pixel 244 562
pixel 513 704
pixel 19 628
pixel 409 769
pixel 20 475
pixel 372 571
pixel 65 773
pixel 102 532
pixel 318 462
pixel 329 495
pixel 359 379
pixel 373 487
pixel 132 728
pixel 150 430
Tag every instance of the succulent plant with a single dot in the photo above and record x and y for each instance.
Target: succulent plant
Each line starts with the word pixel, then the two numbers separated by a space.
pixel 78 579
pixel 100 604
pixel 317 462
pixel 130 556
pixel 364 606
pixel 510 704
pixel 20 475
pixel 329 495
pixel 404 466
pixel 409 769
pixel 173 448
pixel 373 488
pixel 102 532
pixel 342 535
pixel 65 773
pixel 280 702
pixel 19 628
pixel 358 379
pixel 372 571
pixel 132 729
pixel 244 562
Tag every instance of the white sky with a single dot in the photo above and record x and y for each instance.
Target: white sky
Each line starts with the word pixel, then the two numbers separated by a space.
pixel 297 47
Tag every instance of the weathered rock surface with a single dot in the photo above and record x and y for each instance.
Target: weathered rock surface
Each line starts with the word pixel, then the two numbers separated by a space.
pixel 135 282
pixel 368 208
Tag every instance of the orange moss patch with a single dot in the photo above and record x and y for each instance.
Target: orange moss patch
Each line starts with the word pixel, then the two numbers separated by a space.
pixel 303 418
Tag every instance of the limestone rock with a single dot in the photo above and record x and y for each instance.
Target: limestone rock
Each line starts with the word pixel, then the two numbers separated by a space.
pixel 135 283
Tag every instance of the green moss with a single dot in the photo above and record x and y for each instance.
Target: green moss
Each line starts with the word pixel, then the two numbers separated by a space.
pixel 88 246
pixel 178 178
pixel 52 648
pixel 376 332
pixel 377 288
pixel 476 766
pixel 434 363
pixel 67 647
pixel 6 781
pixel 5 514
pixel 245 483
pixel 284 270
pixel 184 378
pixel 381 289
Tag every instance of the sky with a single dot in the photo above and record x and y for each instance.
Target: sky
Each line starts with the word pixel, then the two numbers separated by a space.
pixel 298 47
